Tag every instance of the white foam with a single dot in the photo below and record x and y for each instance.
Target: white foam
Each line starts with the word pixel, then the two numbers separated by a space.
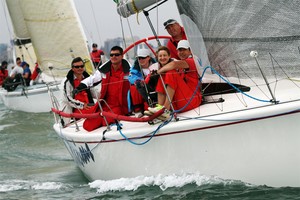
pixel 164 182
pixel 14 185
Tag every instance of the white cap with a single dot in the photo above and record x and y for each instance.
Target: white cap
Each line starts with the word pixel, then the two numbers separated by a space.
pixel 143 53
pixel 183 44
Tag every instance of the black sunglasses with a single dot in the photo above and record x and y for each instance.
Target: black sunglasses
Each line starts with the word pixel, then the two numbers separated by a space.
pixel 142 58
pixel 77 67
pixel 114 54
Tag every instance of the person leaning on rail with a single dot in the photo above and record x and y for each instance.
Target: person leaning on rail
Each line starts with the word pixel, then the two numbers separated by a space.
pixel 80 102
pixel 114 89
pixel 179 81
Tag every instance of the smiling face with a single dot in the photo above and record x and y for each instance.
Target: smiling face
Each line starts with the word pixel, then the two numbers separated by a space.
pixel 174 30
pixel 163 57
pixel 115 57
pixel 183 53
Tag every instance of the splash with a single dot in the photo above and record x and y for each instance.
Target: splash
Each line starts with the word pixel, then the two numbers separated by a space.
pixel 163 182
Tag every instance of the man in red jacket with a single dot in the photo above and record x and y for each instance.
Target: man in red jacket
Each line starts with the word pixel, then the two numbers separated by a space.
pixel 115 85
pixel 177 33
pixel 96 55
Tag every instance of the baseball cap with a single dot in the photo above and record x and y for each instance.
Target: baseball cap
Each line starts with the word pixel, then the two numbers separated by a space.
pixel 23 64
pixel 143 53
pixel 169 22
pixel 183 44
pixel 94 45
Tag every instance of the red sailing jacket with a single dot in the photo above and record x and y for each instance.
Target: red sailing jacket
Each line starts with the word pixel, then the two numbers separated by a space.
pixel 3 75
pixel 96 56
pixel 121 87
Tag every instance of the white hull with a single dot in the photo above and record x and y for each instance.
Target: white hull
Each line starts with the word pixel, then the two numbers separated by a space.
pixel 259 144
pixel 34 99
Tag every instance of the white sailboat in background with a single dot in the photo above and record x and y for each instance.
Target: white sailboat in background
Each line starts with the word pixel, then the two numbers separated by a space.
pixel 251 135
pixel 53 30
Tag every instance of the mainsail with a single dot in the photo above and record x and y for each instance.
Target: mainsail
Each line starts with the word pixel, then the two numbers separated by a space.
pixel 232 29
pixel 55 31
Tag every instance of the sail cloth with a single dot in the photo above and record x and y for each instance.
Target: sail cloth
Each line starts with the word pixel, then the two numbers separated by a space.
pixel 56 33
pixel 230 30
pixel 129 7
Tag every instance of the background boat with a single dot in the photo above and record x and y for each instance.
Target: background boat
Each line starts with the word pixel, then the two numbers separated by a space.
pixel 54 33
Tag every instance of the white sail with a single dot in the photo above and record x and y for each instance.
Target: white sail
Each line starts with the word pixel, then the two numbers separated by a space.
pixel 17 18
pixel 56 34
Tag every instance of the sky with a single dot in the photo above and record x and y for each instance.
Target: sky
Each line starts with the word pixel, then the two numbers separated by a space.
pixel 101 21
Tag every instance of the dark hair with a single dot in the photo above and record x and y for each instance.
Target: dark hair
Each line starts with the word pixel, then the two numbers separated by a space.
pixel 4 63
pixel 18 58
pixel 117 48
pixel 75 60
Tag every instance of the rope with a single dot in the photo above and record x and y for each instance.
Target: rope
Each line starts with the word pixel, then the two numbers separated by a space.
pixel 237 89
pixel 152 134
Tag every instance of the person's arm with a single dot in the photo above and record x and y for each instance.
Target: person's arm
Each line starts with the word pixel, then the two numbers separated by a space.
pixel 176 64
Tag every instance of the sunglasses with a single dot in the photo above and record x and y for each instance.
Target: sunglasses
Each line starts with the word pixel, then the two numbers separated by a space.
pixel 77 67
pixel 142 58
pixel 114 54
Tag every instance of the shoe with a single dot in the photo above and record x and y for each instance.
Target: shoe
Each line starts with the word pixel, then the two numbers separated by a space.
pixel 158 107
pixel 138 114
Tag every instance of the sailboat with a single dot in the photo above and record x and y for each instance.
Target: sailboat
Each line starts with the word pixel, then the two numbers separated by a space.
pixel 247 129
pixel 53 30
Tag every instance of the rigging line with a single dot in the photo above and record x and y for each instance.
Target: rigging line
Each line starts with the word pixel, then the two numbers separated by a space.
pixel 275 75
pixel 122 29
pixel 209 67
pixel 238 76
pixel 97 27
pixel 284 71
pixel 252 80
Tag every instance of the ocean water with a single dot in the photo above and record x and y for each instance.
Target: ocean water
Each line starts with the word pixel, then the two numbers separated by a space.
pixel 34 164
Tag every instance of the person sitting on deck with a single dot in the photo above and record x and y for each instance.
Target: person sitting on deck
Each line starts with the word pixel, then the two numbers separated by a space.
pixel 140 69
pixel 180 78
pixel 115 86
pixel 26 73
pixel 81 102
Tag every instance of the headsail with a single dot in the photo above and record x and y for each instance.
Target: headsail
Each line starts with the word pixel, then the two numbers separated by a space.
pixel 231 30
pixel 56 34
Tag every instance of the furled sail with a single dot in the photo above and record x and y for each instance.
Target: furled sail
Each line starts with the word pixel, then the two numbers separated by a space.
pixel 227 31
pixel 129 7
pixel 56 34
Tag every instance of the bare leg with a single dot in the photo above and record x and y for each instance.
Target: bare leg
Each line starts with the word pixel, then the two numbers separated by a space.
pixel 170 92
pixel 161 98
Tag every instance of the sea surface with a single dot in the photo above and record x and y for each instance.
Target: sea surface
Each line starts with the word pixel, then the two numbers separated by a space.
pixel 34 164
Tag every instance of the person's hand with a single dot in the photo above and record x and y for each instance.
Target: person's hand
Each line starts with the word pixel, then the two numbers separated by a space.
pixel 87 106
